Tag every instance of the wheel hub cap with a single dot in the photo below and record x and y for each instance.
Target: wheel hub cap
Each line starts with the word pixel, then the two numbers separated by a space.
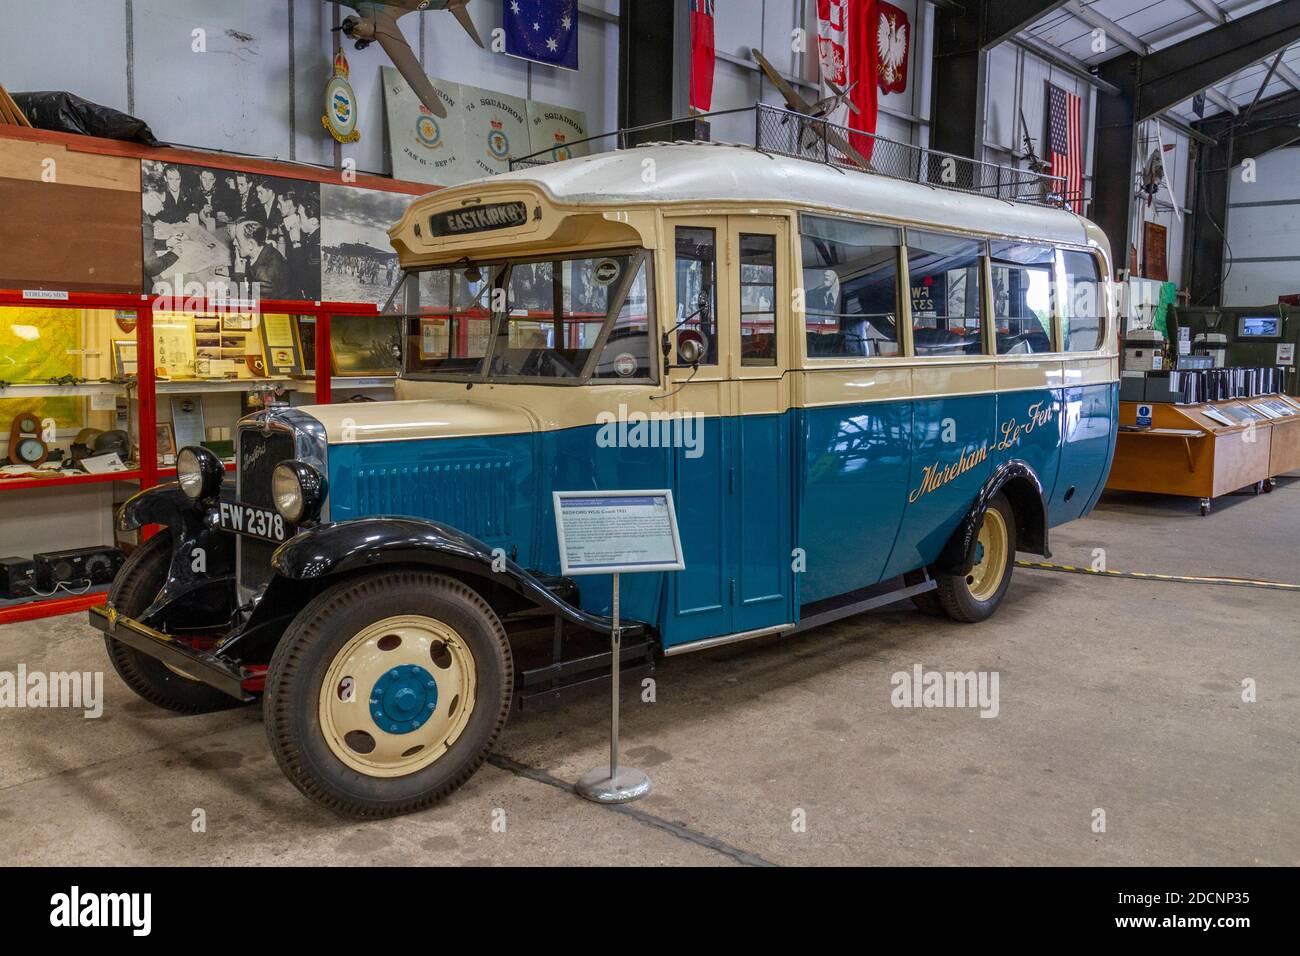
pixel 397 695
pixel 403 699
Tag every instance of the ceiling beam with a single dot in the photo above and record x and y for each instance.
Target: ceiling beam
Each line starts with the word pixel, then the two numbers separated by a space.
pixel 1113 30
pixel 1058 57
pixel 1291 77
pixel 1261 141
pixel 1003 19
pixel 1175 73
pixel 1210 10
pixel 1221 101
pixel 1174 121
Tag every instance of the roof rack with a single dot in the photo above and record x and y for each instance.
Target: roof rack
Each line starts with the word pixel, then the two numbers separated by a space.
pixel 786 133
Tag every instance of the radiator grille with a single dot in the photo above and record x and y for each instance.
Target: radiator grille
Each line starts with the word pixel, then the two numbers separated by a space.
pixel 471 494
pixel 254 555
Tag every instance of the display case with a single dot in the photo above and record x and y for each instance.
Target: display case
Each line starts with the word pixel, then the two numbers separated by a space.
pixel 1208 449
pixel 71 441
pixel 215 365
pixel 99 392
pixel 365 351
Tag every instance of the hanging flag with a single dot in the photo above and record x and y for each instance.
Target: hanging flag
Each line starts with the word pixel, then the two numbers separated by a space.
pixel 1065 133
pixel 545 31
pixel 893 37
pixel 847 48
pixel 702 55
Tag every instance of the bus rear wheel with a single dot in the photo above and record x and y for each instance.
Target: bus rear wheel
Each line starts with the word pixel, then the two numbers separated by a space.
pixel 975 595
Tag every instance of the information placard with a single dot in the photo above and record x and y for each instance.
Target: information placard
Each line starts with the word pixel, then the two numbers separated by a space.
pixel 612 532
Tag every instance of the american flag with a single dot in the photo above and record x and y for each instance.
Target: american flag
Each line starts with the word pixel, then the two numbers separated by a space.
pixel 1065 113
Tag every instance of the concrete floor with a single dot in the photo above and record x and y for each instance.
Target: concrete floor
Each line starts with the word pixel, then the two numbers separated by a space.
pixel 1123 695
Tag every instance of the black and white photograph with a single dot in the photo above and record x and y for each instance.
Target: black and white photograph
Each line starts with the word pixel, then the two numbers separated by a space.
pixel 358 261
pixel 213 226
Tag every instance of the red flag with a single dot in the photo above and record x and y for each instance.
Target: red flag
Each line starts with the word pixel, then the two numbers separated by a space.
pixel 702 55
pixel 847 46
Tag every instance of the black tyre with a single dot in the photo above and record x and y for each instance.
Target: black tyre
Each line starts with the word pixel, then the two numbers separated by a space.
pixel 138 582
pixel 974 596
pixel 387 692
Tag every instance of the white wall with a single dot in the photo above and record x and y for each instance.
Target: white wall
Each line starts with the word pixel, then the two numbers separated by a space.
pixel 1262 231
pixel 239 96
pixel 1017 82
pixel 1162 211
pixel 769 25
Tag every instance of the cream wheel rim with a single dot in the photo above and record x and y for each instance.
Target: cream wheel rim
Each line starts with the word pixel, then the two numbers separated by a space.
pixel 985 576
pixel 397 696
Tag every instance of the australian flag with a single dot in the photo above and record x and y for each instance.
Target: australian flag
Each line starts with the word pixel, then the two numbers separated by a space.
pixel 542 30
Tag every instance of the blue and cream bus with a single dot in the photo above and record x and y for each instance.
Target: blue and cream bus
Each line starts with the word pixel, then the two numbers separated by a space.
pixel 858 389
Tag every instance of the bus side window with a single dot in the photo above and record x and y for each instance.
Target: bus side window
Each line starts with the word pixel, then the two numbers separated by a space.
pixel 696 278
pixel 1022 297
pixel 850 280
pixel 947 293
pixel 1083 303
pixel 757 299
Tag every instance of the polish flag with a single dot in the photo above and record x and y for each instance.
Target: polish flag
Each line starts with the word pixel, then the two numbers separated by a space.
pixel 847 50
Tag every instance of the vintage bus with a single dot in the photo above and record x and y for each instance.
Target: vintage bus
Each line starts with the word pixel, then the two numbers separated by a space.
pixel 858 389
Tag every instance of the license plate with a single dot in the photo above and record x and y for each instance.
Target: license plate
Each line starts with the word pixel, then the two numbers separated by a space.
pixel 266 523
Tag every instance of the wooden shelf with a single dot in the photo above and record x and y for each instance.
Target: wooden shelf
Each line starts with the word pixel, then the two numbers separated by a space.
pixel 59 478
pixel 197 386
pixel 40 390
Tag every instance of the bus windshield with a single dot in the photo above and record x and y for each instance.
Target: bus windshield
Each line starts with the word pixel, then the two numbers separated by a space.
pixel 548 319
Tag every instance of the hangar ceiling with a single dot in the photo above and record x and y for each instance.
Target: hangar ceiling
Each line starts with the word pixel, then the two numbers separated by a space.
pixel 1145 26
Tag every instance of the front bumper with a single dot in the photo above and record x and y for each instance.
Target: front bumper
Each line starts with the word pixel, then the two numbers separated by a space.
pixel 225 676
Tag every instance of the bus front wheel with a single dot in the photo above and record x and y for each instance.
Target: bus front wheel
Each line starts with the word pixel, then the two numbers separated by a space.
pixel 975 595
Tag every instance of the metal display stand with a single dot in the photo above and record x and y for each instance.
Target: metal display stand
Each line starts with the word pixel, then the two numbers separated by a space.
pixel 616 532
pixel 610 783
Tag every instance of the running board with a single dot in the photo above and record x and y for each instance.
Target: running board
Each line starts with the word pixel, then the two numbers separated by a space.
pixel 817 619
pixel 869 603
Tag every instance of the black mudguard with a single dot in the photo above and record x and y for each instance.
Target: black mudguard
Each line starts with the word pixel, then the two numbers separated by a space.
pixel 1023 488
pixel 199 590
pixel 346 547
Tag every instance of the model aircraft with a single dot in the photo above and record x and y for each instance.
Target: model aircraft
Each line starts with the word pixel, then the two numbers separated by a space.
pixel 378 21
pixel 1154 176
pixel 815 111
pixel 1039 167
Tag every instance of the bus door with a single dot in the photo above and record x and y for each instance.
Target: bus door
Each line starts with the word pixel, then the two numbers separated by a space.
pixel 729 288
pixel 757 326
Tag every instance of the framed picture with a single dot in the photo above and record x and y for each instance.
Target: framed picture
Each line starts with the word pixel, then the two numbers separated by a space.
pixel 1155 247
pixel 187 421
pixel 280 346
pixel 125 360
pixel 364 344
pixel 306 328
pixel 237 322
pixel 166 442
